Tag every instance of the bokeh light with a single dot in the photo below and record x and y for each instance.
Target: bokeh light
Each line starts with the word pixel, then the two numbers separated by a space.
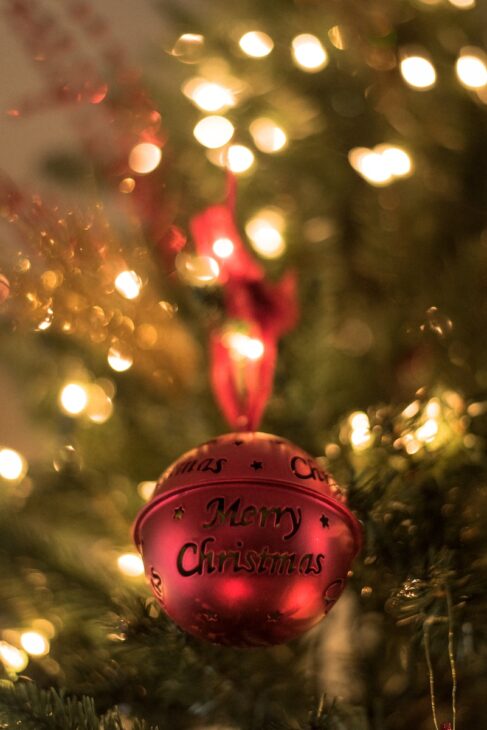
pixel 256 44
pixel 14 659
pixel 73 398
pixel 463 4
pixel 197 270
pixel 471 68
pixel 119 358
pixel 223 248
pixel 12 464
pixel 268 136
pixel 128 284
pixel 189 47
pixel 418 72
pixel 130 564
pixel 239 158
pixel 208 96
pixel 265 231
pixel 144 157
pixel 382 165
pixel 34 643
pixel 243 347
pixel 309 53
pixel 214 131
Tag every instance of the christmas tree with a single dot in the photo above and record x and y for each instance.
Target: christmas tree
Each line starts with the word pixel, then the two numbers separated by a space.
pixel 285 202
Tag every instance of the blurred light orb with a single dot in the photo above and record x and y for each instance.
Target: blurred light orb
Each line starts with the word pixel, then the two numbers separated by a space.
pixel 128 284
pixel 189 47
pixel 256 44
pixel 370 165
pixel 396 159
pixel 146 490
pixel 268 136
pixel 471 68
pixel 239 158
pixel 119 358
pixel 34 643
pixel 243 347
pixel 12 464
pixel 418 72
pixel 73 399
pixel 427 431
pixel 14 659
pixel 265 233
pixel 208 96
pixel 223 248
pixel 309 53
pixel 359 420
pixel 144 157
pixel 100 406
pixel 214 131
pixel 130 564
pixel 463 4
pixel 197 270
pixel 127 185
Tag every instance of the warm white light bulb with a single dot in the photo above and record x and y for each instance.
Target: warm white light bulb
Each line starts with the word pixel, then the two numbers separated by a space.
pixel 128 284
pixel 239 158
pixel 309 53
pixel 244 347
pixel 418 72
pixel 471 69
pixel 12 465
pixel 256 44
pixel 73 399
pixel 268 136
pixel 397 160
pixel 119 360
pixel 265 233
pixel 144 157
pixel 427 431
pixel 208 96
pixel 223 248
pixel 130 564
pixel 14 659
pixel 214 131
pixel 34 643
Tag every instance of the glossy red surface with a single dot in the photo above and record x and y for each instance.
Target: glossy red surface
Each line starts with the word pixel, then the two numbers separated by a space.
pixel 247 541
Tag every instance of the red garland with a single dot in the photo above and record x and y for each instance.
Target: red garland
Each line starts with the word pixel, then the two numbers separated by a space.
pixel 257 308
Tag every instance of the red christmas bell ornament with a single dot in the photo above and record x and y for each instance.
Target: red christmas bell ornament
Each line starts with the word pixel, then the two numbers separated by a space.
pixel 247 541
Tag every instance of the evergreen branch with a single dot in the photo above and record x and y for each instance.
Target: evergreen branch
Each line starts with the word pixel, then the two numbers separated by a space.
pixel 37 709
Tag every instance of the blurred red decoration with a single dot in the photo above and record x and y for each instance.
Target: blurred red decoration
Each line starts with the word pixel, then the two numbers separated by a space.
pixel 260 309
pixel 247 541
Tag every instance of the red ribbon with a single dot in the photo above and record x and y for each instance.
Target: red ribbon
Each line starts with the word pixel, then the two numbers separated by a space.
pixel 244 350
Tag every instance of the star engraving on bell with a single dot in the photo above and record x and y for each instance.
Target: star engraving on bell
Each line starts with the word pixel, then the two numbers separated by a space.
pixel 325 521
pixel 256 465
pixel 178 513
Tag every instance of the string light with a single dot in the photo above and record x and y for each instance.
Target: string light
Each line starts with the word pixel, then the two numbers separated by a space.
pixel 208 96
pixel 471 68
pixel 265 233
pixel 130 564
pixel 223 248
pixel 144 157
pixel 239 158
pixel 418 72
pixel 14 659
pixel 309 53
pixel 243 347
pixel 188 47
pixel 428 431
pixel 360 436
pixel 128 284
pixel 267 135
pixel 382 165
pixel 146 490
pixel 256 44
pixel 12 465
pixel 34 643
pixel 463 4
pixel 214 131
pixel 73 399
pixel 197 270
pixel 119 358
